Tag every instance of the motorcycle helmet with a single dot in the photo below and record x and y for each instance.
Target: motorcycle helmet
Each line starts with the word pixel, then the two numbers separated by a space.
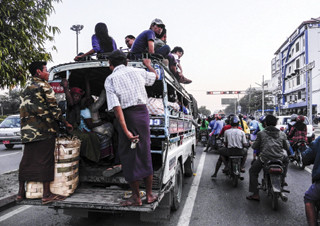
pixel 262 118
pixel 300 118
pixel 234 120
pixel 293 117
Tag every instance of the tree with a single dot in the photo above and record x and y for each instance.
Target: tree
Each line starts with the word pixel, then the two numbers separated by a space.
pixel 10 102
pixel 24 31
pixel 204 111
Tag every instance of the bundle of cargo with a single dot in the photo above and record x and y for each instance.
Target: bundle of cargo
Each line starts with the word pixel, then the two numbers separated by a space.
pixel 66 176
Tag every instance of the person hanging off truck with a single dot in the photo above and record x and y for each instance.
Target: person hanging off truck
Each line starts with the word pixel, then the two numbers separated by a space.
pixel 127 97
pixel 39 115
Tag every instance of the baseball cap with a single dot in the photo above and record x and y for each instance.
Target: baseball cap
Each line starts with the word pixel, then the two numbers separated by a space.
pixel 157 22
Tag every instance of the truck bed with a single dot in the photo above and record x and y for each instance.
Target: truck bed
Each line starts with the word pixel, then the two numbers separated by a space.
pixel 100 199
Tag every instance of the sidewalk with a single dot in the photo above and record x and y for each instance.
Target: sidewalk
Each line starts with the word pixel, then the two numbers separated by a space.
pixel 8 188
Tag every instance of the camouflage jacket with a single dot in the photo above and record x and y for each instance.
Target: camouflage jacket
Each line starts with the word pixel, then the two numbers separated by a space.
pixel 39 111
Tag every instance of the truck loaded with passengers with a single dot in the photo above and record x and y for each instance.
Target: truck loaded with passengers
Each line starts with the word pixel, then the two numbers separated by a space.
pixel 92 188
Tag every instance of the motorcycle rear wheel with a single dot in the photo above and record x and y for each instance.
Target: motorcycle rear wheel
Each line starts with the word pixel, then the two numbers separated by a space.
pixel 299 162
pixel 235 180
pixel 275 197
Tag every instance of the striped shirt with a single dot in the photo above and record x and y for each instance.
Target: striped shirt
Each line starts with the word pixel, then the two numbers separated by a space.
pixel 125 87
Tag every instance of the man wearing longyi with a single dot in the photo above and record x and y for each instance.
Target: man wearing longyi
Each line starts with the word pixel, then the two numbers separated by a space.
pixel 126 95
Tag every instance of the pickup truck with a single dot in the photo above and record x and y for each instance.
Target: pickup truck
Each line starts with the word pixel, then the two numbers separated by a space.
pixel 173 143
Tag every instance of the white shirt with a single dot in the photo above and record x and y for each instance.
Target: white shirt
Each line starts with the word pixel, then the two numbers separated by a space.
pixel 235 138
pixel 125 87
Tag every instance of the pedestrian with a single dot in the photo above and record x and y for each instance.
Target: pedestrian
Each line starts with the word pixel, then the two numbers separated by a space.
pixel 39 114
pixel 127 97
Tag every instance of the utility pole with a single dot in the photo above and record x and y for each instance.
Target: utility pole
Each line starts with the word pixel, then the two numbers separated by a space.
pixel 308 70
pixel 77 28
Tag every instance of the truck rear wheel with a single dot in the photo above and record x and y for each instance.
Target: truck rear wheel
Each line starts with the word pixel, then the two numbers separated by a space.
pixel 9 146
pixel 189 166
pixel 177 189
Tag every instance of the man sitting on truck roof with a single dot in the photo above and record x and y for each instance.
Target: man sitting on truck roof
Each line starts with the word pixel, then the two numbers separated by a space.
pixel 145 41
pixel 127 97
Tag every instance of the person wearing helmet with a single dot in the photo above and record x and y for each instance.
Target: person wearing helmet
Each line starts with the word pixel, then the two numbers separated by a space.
pixel 293 119
pixel 298 132
pixel 270 142
pixel 212 123
pixel 236 143
pixel 244 124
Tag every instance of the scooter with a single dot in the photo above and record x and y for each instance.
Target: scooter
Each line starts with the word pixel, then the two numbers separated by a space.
pixel 298 148
pixel 272 182
pixel 234 165
pixel 204 137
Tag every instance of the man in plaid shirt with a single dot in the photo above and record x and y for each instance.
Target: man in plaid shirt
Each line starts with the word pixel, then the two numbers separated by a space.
pixel 127 97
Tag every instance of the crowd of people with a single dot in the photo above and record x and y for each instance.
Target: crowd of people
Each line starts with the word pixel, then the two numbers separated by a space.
pixel 151 42
pixel 268 143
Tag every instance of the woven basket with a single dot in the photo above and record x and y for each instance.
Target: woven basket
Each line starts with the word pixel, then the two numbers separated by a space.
pixel 66 167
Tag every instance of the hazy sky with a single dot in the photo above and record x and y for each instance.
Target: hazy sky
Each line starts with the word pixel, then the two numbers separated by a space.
pixel 228 45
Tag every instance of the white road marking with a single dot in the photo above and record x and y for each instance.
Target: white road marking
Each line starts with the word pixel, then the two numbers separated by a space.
pixel 308 170
pixel 9 154
pixel 12 213
pixel 186 213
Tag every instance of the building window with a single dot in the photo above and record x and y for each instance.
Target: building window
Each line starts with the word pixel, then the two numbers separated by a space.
pixel 292 52
pixel 289 84
pixel 299 95
pixel 298 80
pixel 290 98
pixel 297 63
pixel 303 42
pixel 289 70
pixel 297 47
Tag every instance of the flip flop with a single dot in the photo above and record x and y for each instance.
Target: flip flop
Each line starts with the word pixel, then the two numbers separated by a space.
pixel 111 171
pixel 250 197
pixel 130 202
pixel 49 199
pixel 19 198
pixel 154 198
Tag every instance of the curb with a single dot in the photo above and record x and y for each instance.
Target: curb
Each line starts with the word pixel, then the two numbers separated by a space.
pixel 10 199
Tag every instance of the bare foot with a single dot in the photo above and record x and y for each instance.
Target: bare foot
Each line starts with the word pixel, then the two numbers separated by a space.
pixel 151 198
pixel 132 201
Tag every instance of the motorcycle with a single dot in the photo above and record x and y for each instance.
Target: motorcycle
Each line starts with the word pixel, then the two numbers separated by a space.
pixel 298 148
pixel 234 165
pixel 218 142
pixel 204 137
pixel 272 182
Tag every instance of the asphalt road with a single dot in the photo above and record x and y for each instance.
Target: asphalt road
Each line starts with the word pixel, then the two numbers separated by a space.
pixel 10 158
pixel 205 202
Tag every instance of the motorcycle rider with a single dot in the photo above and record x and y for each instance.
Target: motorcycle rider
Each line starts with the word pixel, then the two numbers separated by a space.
pixel 298 132
pixel 203 129
pixel 293 119
pixel 212 122
pixel 312 195
pixel 236 143
pixel 270 142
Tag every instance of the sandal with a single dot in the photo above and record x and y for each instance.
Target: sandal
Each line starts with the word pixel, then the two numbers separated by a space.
pixel 19 198
pixel 252 197
pixel 112 171
pixel 52 198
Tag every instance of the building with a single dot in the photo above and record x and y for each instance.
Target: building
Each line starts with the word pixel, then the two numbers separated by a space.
pixel 289 79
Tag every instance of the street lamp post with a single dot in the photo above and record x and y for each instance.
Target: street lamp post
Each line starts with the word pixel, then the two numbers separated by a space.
pixel 77 28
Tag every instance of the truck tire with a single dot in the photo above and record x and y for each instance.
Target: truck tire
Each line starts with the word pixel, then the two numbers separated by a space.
pixel 9 146
pixel 177 189
pixel 189 166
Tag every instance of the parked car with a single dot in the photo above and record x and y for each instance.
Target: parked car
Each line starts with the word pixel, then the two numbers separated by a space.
pixel 10 132
pixel 283 121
